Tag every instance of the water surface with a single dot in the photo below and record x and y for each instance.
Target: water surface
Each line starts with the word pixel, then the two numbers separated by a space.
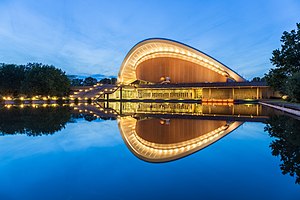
pixel 80 153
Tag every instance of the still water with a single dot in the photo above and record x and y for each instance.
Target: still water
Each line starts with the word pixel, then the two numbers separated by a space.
pixel 148 151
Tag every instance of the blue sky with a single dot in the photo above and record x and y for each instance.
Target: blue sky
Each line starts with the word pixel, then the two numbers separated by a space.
pixel 92 37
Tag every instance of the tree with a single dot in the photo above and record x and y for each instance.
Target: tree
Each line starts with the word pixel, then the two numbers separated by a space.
pixel 258 79
pixel 89 81
pixel 77 82
pixel 11 79
pixel 293 87
pixel 33 79
pixel 286 61
pixel 105 81
pixel 45 80
pixel 108 81
pixel 114 80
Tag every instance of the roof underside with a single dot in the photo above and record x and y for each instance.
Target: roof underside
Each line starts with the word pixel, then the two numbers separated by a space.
pixel 158 48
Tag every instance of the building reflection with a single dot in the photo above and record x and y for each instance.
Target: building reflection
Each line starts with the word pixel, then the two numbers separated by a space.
pixel 162 140
pixel 162 132
pixel 154 132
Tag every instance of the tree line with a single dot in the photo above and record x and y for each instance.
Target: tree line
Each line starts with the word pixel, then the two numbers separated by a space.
pixel 33 79
pixel 89 81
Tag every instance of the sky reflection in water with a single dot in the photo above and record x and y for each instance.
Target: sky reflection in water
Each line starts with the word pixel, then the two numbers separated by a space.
pixel 89 160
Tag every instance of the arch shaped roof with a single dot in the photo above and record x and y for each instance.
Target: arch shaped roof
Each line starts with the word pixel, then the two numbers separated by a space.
pixel 160 47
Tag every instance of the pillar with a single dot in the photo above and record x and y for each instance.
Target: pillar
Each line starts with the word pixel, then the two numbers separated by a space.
pixel 121 92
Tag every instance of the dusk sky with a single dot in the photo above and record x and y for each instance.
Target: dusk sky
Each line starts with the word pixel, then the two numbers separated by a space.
pixel 92 37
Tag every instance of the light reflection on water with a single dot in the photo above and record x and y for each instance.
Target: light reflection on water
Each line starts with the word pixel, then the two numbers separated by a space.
pixel 80 153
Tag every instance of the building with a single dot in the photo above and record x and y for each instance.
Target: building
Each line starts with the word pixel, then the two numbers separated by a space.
pixel 162 69
pixel 168 70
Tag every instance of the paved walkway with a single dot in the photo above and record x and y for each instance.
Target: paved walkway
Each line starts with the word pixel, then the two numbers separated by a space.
pixel 286 107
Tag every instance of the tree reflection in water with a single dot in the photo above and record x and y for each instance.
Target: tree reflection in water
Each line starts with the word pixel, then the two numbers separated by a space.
pixel 286 132
pixel 33 121
pixel 37 121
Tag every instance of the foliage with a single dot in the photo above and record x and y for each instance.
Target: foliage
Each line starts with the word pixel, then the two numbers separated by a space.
pixel 258 79
pixel 108 81
pixel 293 87
pixel 33 79
pixel 286 130
pixel 113 80
pixel 76 82
pixel 89 81
pixel 45 80
pixel 286 61
pixel 11 78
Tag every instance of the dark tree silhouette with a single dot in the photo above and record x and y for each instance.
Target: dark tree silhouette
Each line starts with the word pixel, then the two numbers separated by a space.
pixel 286 61
pixel 33 79
pixel 76 82
pixel 89 81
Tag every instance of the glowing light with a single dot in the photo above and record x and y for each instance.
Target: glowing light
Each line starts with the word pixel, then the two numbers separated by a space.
pixel 164 48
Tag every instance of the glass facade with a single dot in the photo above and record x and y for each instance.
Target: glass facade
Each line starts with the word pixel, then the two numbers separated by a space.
pixel 149 93
pixel 185 93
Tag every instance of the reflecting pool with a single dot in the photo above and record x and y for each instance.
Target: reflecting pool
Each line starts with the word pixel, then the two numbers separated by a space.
pixel 148 151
